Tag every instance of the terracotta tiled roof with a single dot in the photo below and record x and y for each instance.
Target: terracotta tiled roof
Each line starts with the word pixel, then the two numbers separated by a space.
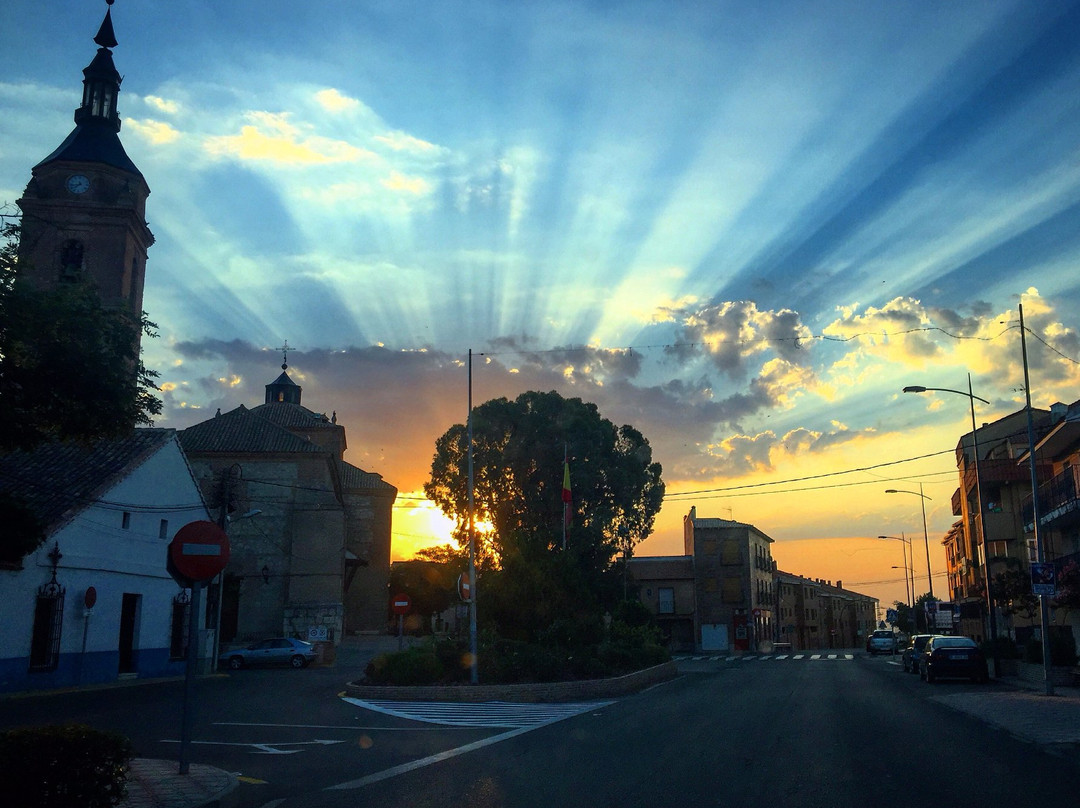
pixel 58 480
pixel 241 431
pixel 291 415
pixel 353 478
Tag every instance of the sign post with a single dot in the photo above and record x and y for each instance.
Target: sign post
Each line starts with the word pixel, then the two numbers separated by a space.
pixel 401 604
pixel 198 552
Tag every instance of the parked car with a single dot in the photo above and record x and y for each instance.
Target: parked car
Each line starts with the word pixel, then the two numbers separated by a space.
pixel 274 651
pixel 913 653
pixel 881 641
pixel 952 656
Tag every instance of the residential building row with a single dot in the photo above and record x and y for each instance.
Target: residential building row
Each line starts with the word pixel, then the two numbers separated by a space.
pixel 996 529
pixel 726 594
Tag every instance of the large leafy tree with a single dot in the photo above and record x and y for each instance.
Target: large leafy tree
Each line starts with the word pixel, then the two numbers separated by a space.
pixel 69 370
pixel 518 451
pixel 69 366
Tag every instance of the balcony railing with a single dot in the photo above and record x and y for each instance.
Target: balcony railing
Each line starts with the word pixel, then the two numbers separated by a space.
pixel 1058 499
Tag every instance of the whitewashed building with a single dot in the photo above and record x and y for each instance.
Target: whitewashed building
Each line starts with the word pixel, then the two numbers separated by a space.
pixel 95 603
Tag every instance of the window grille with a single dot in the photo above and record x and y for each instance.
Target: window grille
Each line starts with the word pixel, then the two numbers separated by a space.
pixel 48 621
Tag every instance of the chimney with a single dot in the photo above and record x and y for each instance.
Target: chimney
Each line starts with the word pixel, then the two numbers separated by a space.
pixel 839 584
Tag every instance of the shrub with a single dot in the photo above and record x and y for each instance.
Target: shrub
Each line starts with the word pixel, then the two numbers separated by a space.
pixel 1062 650
pixel 1001 647
pixel 413 666
pixel 63 766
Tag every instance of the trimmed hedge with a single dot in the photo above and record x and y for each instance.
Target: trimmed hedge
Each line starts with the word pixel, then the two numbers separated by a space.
pixel 626 649
pixel 64 766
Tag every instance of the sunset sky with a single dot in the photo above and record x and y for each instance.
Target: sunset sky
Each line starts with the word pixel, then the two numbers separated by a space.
pixel 740 227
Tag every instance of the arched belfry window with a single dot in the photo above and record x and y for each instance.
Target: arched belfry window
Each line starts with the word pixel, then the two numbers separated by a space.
pixel 71 260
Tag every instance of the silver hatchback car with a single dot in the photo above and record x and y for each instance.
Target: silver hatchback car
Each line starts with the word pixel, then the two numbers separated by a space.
pixel 274 651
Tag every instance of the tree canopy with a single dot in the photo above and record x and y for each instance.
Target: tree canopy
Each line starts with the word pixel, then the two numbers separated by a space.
pixel 69 371
pixel 518 451
pixel 69 366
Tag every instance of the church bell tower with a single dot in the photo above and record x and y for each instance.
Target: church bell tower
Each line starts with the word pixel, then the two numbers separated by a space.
pixel 84 209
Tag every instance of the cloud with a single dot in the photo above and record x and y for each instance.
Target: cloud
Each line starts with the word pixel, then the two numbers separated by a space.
pixel 162 104
pixel 156 132
pixel 402 142
pixel 729 333
pixel 272 137
pixel 333 101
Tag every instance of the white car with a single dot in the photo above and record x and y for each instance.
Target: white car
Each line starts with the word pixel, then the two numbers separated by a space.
pixel 881 641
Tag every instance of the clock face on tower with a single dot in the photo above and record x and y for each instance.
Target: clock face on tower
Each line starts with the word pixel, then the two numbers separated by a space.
pixel 78 184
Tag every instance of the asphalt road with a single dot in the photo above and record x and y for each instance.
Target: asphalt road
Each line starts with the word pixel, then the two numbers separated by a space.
pixel 839 732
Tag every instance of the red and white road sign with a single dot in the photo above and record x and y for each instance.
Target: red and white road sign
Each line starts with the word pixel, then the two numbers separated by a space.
pixel 400 604
pixel 464 587
pixel 198 552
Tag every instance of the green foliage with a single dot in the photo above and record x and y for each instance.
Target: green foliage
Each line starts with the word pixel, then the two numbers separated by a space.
pixel 23 532
pixel 413 666
pixel 518 449
pixel 432 586
pixel 1011 590
pixel 1068 587
pixel 589 655
pixel 63 766
pixel 69 366
pixel 1001 648
pixel 1062 650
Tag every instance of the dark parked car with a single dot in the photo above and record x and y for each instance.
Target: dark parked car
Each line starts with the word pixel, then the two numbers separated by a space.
pixel 913 653
pixel 952 656
pixel 275 651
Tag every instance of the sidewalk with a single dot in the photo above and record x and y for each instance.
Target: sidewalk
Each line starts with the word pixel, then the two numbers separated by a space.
pixel 1023 709
pixel 159 784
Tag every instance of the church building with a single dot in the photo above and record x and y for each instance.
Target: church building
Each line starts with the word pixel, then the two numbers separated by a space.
pixel 309 533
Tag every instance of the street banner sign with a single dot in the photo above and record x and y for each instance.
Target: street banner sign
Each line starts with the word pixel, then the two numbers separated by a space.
pixel 198 552
pixel 1043 580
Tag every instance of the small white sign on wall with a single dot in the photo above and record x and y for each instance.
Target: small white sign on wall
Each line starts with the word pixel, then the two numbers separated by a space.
pixel 317 633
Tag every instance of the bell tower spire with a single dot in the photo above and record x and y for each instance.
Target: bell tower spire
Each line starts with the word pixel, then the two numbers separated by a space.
pixel 84 208
pixel 101 84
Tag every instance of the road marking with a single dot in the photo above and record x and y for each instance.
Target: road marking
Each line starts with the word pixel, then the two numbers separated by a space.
pixel 782 656
pixel 815 656
pixel 798 656
pixel 327 726
pixel 498 714
pixel 404 768
pixel 263 748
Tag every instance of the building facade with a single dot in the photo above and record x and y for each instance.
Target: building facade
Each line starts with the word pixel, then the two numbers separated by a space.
pixel 309 532
pixel 95 602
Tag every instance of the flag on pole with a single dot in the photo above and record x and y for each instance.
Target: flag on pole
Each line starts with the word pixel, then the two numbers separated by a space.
pixel 567 499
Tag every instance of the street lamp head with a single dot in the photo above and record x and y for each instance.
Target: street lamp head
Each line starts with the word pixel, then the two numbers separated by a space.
pixel 914 388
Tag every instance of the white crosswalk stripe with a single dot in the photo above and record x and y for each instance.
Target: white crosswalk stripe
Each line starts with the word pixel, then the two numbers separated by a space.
pixel 481 714
pixel 822 657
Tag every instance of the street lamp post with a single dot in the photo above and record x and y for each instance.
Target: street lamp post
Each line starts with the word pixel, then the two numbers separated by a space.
pixel 909 575
pixel 992 633
pixel 909 586
pixel 926 536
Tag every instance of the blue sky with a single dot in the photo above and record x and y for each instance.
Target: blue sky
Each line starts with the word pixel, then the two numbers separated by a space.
pixel 740 227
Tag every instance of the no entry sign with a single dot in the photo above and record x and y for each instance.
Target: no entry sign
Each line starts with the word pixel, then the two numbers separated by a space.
pixel 400 604
pixel 198 552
